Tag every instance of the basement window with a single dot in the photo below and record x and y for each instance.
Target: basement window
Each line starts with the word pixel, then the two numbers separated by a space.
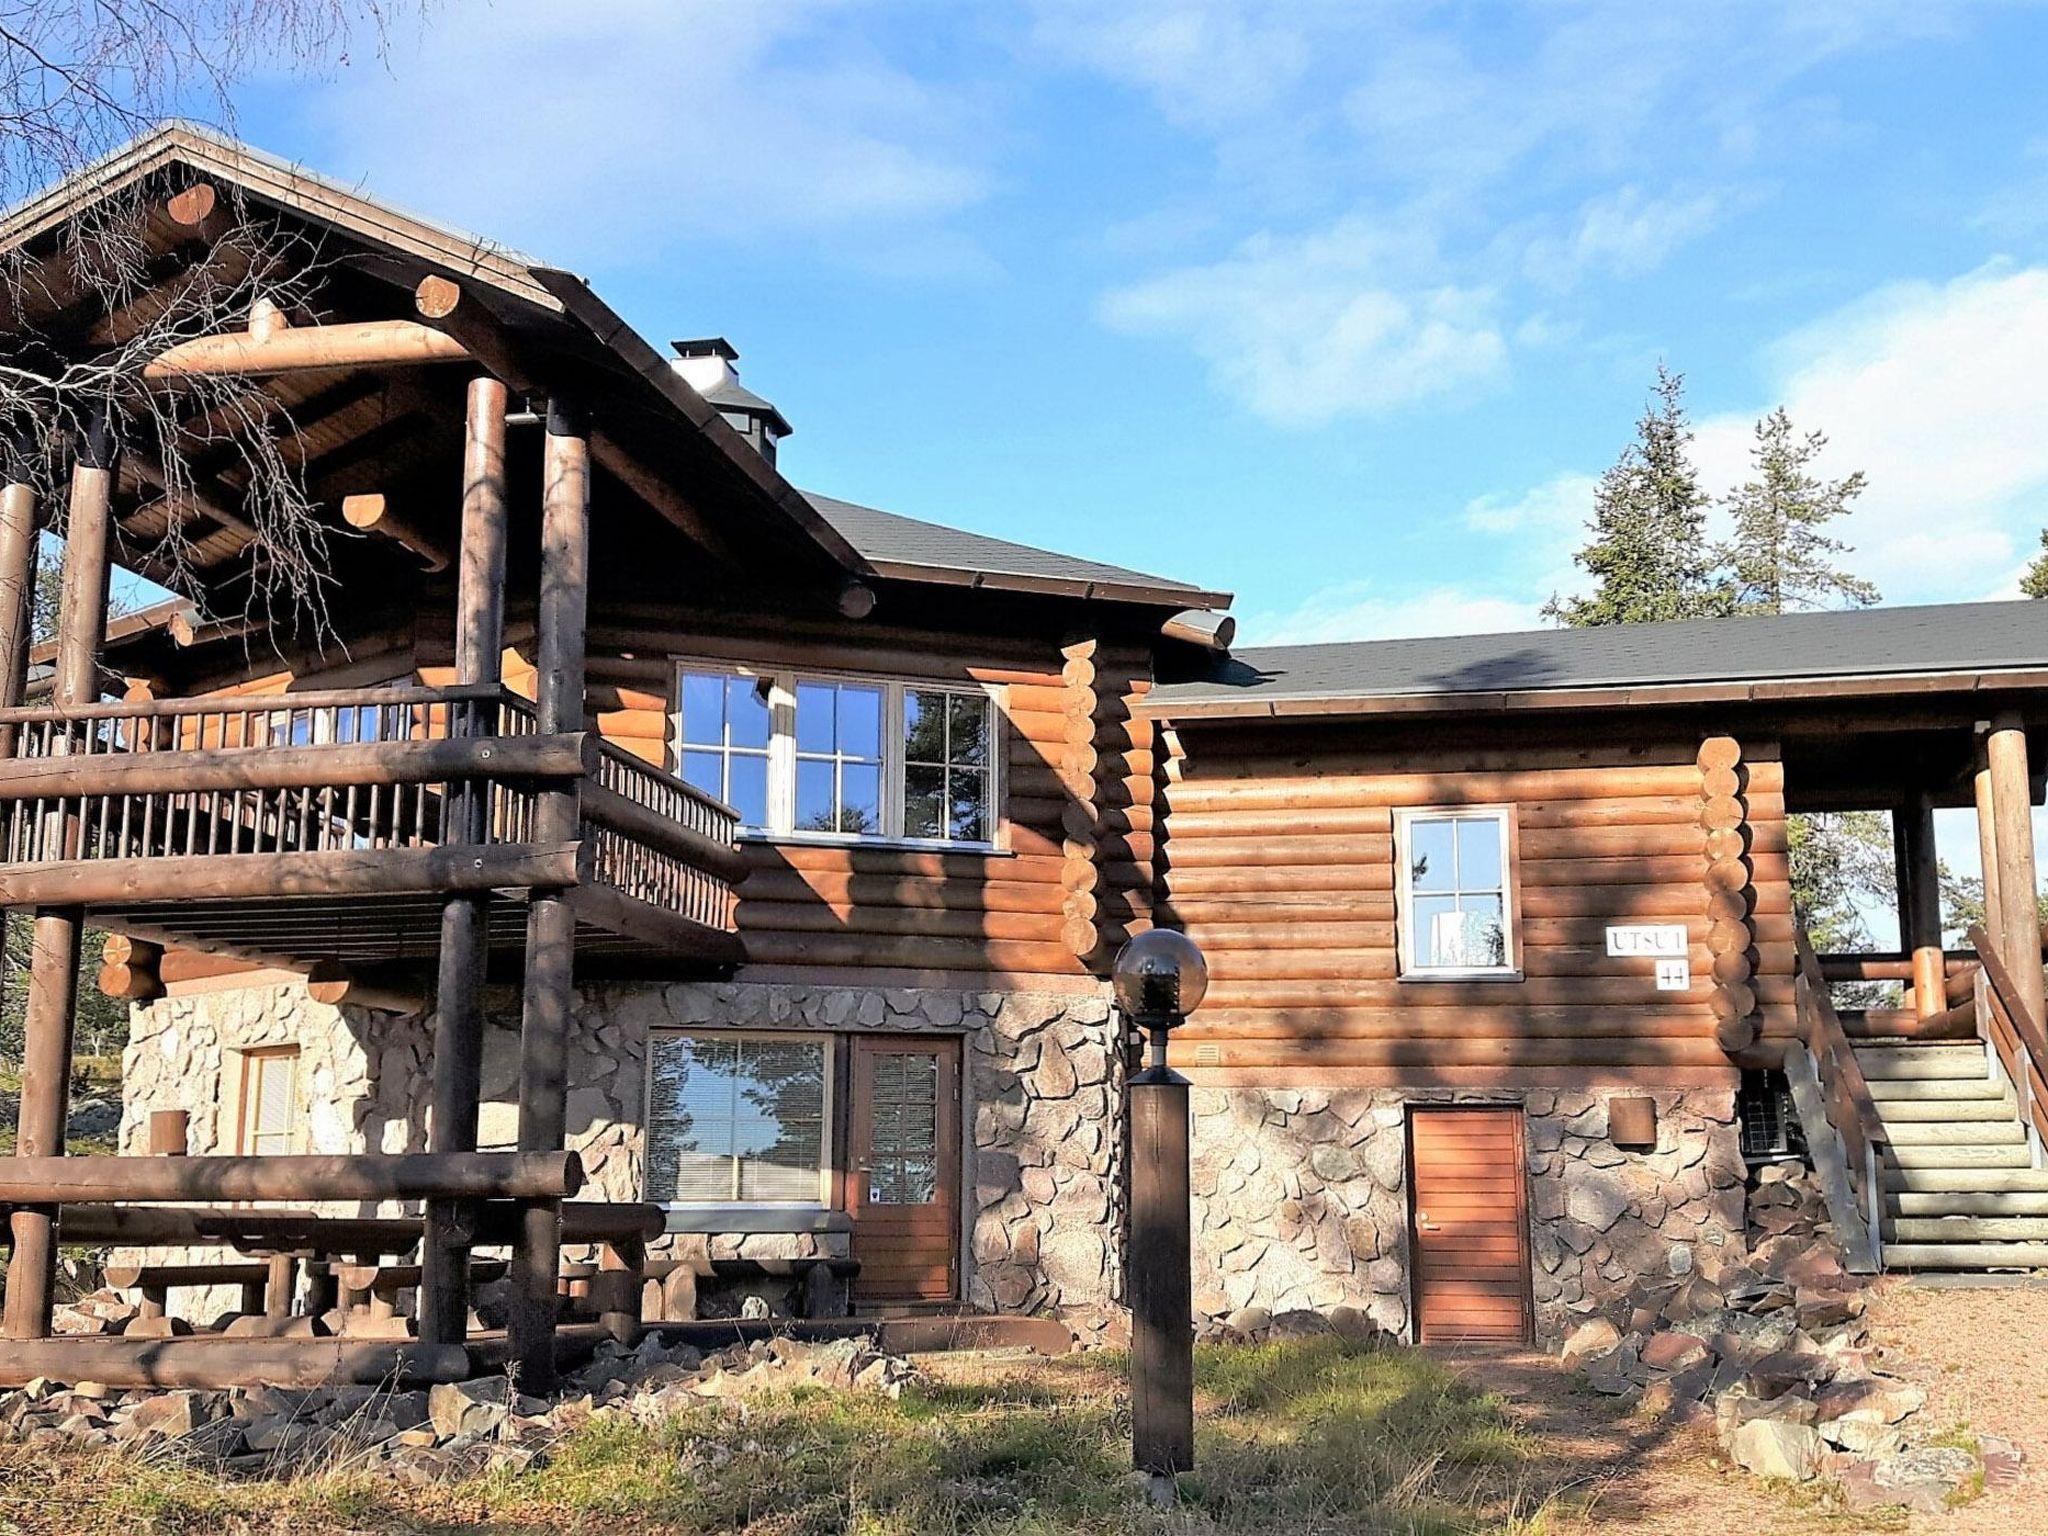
pixel 1454 894
pixel 1770 1124
pixel 815 757
pixel 270 1114
pixel 738 1119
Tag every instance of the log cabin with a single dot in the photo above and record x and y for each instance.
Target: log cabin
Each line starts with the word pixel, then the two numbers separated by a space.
pixel 653 890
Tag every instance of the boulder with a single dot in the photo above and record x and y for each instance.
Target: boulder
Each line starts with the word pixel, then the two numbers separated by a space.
pixel 1879 1400
pixel 1674 1352
pixel 1919 1480
pixel 1786 1369
pixel 475 1407
pixel 1771 1447
pixel 1588 1340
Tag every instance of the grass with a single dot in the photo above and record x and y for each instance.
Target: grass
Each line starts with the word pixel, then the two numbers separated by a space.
pixel 1309 1436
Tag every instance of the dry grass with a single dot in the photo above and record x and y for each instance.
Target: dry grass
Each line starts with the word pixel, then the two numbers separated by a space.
pixel 1305 1437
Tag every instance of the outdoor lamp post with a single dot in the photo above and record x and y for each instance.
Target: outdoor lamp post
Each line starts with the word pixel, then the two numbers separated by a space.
pixel 1160 978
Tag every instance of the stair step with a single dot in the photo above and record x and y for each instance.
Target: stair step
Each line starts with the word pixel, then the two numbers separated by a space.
pixel 1966 1229
pixel 1932 1090
pixel 1921 1063
pixel 1966 1255
pixel 1955 1133
pixel 1974 1181
pixel 1951 1156
pixel 1958 1202
pixel 1947 1111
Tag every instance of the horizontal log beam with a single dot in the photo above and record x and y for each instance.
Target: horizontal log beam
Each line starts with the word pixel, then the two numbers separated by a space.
pixel 205 1361
pixel 128 1277
pixel 254 876
pixel 253 704
pixel 306 1232
pixel 515 758
pixel 298 349
pixel 42 1181
pixel 372 512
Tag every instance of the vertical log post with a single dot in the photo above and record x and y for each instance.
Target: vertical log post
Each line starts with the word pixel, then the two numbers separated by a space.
pixel 1987 834
pixel 1162 1304
pixel 53 972
pixel 2013 820
pixel 548 1001
pixel 459 1022
pixel 1920 903
pixel 17 580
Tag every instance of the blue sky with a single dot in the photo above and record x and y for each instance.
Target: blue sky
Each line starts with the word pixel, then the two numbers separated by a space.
pixel 1341 307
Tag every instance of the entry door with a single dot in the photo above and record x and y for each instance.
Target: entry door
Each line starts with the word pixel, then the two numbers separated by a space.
pixel 1470 1225
pixel 904 1189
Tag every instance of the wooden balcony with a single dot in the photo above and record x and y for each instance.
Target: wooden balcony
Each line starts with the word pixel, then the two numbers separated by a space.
pixel 329 827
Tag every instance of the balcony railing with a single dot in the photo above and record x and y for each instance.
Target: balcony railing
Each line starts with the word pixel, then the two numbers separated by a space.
pixel 357 793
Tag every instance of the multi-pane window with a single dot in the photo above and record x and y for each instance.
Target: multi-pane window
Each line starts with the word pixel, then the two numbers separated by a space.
pixel 270 1101
pixel 1455 913
pixel 842 757
pixel 725 729
pixel 838 757
pixel 903 1135
pixel 945 765
pixel 737 1119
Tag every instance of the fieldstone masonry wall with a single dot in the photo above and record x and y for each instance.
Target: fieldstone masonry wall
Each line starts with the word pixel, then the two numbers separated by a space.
pixel 1301 1194
pixel 1040 1166
pixel 1302 1200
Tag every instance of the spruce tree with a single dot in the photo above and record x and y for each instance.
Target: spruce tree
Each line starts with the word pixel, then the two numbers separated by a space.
pixel 1649 550
pixel 2035 582
pixel 1779 559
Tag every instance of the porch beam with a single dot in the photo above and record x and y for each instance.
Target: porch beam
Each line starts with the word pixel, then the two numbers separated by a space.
pixel 465 919
pixel 1920 902
pixel 2019 931
pixel 548 1003
pixel 299 349
pixel 47 1027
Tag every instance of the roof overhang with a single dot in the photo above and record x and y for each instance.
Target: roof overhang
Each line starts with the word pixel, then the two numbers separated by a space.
pixel 1163 704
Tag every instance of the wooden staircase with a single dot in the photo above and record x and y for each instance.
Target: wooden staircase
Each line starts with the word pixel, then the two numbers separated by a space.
pixel 1960 1185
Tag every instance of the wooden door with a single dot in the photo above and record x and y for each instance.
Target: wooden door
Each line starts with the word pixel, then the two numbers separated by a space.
pixel 1468 1216
pixel 904 1187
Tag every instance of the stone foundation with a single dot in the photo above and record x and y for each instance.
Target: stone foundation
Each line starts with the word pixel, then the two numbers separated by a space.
pixel 1302 1200
pixel 1041 1152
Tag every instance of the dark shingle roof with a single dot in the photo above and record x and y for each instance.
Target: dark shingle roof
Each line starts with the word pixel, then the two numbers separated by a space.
pixel 911 550
pixel 1721 654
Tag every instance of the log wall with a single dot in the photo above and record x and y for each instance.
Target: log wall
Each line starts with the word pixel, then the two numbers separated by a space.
pixel 1279 862
pixel 1072 874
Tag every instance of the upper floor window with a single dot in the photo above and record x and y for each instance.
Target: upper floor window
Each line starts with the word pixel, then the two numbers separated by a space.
pixel 797 754
pixel 1455 897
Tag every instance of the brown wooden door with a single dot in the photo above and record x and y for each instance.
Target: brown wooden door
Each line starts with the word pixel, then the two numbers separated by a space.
pixel 904 1187
pixel 1470 1224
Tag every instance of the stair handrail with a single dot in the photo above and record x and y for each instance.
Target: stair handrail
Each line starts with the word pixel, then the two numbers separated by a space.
pixel 1845 1094
pixel 2014 1035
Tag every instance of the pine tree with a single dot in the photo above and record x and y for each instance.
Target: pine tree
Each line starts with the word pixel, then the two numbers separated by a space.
pixel 1779 559
pixel 2035 582
pixel 1649 550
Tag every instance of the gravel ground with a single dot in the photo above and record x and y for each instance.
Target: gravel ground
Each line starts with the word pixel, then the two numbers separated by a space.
pixel 1982 1354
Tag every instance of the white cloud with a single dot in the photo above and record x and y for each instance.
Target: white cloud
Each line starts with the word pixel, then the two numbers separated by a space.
pixel 1558 505
pixel 1625 232
pixel 1205 65
pixel 1304 330
pixel 646 124
pixel 1356 610
pixel 1934 392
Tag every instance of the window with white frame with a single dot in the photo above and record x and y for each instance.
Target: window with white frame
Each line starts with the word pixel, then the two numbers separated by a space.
pixel 1456 912
pixel 737 1119
pixel 809 755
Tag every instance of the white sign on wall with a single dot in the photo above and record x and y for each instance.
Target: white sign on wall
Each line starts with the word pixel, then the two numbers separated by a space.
pixel 1641 940
pixel 1674 975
